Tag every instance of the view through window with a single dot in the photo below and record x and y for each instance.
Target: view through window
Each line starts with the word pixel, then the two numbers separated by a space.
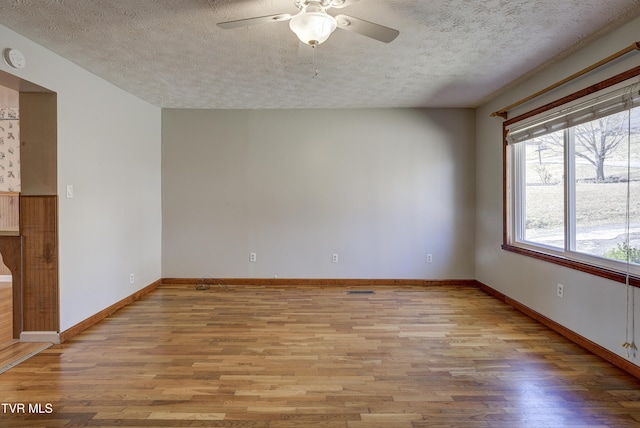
pixel 575 181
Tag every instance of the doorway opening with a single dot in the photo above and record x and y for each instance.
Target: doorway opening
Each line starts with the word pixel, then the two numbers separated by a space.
pixel 9 200
pixel 28 208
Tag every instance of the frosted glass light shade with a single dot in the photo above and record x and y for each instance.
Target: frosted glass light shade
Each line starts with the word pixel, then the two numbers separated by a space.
pixel 313 25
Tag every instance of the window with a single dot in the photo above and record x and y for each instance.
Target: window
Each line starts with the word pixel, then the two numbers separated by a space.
pixel 573 182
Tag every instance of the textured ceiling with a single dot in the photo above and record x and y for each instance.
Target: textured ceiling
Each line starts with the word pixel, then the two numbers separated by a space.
pixel 450 53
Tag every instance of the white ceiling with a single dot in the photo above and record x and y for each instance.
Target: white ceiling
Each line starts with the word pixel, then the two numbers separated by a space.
pixel 450 53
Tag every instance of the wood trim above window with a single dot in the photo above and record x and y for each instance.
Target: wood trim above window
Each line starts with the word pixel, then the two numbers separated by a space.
pixel 619 78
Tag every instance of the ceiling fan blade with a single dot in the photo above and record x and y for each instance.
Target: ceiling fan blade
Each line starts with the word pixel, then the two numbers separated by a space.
pixel 254 21
pixel 366 28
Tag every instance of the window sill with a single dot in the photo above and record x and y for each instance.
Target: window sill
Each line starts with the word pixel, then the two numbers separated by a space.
pixel 602 272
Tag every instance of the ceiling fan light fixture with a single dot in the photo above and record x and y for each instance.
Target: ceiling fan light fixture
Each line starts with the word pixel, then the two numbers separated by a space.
pixel 313 25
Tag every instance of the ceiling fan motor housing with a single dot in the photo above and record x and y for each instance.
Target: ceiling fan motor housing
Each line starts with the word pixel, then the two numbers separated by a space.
pixel 313 25
pixel 300 4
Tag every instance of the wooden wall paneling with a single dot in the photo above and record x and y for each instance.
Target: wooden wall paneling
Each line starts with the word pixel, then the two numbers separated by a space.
pixel 38 225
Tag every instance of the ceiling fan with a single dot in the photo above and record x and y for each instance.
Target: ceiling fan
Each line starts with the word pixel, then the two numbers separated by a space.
pixel 313 25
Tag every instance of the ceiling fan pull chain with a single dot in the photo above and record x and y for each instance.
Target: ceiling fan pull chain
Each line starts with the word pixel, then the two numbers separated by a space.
pixel 315 70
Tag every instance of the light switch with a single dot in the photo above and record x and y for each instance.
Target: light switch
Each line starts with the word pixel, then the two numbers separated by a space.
pixel 69 191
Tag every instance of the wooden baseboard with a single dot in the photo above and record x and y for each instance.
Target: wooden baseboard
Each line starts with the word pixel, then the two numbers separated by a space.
pixel 571 335
pixel 318 282
pixel 83 325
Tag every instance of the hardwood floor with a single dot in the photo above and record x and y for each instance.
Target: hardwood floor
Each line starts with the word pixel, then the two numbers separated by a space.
pixel 315 356
pixel 14 352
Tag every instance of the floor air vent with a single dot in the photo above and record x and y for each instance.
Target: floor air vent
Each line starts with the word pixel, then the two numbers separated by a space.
pixel 361 292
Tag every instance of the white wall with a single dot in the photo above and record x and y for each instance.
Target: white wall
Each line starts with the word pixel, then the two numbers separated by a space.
pixel 109 150
pixel 592 306
pixel 382 188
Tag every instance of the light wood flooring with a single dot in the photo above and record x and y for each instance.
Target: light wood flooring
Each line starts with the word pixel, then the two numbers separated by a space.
pixel 315 356
pixel 14 352
pixel 6 313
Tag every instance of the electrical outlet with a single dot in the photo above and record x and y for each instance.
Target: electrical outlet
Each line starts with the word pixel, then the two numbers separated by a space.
pixel 429 258
pixel 252 257
pixel 132 278
pixel 560 291
pixel 334 258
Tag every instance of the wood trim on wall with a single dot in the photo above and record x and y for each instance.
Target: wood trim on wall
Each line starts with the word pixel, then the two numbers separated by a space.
pixel 83 325
pixel 607 83
pixel 318 282
pixel 602 272
pixel 569 334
